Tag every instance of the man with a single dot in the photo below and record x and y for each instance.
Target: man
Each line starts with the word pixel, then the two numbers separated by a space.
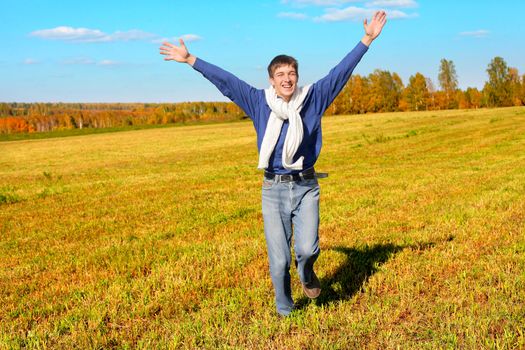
pixel 287 119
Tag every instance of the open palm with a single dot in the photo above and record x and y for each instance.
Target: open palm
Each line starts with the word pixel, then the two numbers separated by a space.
pixel 174 52
pixel 373 29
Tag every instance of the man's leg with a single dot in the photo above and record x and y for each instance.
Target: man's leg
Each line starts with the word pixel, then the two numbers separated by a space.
pixel 278 232
pixel 305 217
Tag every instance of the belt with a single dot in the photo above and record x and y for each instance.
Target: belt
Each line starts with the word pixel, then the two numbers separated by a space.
pixel 308 174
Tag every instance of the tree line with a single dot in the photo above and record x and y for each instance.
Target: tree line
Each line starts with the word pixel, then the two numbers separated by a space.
pixel 380 91
pixel 38 117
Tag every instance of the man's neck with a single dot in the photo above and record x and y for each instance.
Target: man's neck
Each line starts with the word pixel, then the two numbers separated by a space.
pixel 284 98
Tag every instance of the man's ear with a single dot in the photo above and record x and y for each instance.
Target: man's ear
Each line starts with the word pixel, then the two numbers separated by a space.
pixel 272 83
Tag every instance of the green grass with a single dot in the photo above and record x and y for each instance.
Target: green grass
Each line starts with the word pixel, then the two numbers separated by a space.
pixel 154 238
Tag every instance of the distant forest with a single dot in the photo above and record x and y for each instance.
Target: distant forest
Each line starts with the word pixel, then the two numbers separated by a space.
pixel 380 91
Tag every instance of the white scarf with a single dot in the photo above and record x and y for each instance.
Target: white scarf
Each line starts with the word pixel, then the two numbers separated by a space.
pixel 282 110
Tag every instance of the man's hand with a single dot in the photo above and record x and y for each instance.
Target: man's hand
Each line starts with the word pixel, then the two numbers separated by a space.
pixel 177 53
pixel 373 29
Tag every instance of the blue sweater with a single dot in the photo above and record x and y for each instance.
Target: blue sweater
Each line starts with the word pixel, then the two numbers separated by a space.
pixel 253 102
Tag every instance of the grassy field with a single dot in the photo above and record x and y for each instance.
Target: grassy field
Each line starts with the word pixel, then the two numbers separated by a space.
pixel 154 238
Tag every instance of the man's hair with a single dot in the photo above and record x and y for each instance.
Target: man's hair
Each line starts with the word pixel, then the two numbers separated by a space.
pixel 282 60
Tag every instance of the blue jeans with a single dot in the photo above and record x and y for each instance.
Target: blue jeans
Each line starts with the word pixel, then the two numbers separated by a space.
pixel 287 204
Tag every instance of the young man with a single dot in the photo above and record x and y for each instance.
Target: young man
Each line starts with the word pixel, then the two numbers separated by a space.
pixel 287 119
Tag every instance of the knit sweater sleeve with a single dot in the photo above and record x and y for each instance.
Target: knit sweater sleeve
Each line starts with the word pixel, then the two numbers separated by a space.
pixel 326 89
pixel 240 92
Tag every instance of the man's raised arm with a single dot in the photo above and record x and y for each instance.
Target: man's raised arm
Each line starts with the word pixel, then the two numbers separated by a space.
pixel 327 88
pixel 241 93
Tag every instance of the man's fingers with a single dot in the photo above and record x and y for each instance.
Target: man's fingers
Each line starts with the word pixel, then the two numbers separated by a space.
pixel 172 51
pixel 378 15
pixel 379 18
pixel 382 19
pixel 165 51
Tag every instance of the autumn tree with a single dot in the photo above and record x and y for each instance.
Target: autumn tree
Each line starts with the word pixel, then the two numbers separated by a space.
pixel 358 91
pixel 522 89
pixel 448 81
pixel 515 87
pixel 497 90
pixel 433 95
pixel 384 91
pixel 416 93
pixel 353 99
pixel 470 98
pixel 10 125
pixel 5 110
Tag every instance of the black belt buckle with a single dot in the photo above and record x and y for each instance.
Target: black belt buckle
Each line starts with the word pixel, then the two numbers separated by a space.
pixel 285 178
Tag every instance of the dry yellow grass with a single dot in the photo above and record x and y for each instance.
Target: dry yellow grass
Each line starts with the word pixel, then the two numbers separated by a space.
pixel 153 238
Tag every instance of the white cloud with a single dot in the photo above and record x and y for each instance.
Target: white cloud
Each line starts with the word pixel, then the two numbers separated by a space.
pixel 108 63
pixel 131 35
pixel 188 38
pixel 353 13
pixel 86 35
pixel 31 61
pixel 317 2
pixel 334 13
pixel 89 61
pixel 392 3
pixel 78 60
pixel 70 34
pixel 350 13
pixel 369 3
pixel 396 14
pixel 292 15
pixel 481 33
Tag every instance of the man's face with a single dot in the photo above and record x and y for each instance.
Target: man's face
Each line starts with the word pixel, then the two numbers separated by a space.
pixel 284 81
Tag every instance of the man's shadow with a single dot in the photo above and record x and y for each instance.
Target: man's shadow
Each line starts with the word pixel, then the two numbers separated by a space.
pixel 359 265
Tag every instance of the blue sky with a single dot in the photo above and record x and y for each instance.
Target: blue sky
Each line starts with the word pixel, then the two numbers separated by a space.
pixel 107 51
